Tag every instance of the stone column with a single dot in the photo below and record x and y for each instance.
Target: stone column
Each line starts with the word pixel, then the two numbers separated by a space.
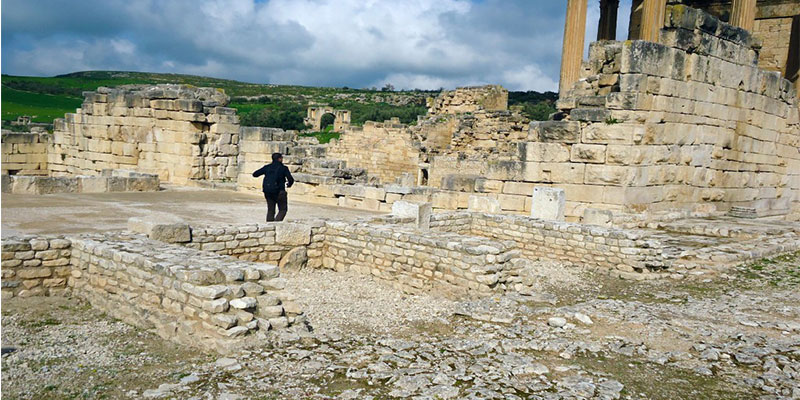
pixel 607 29
pixel 572 51
pixel 653 14
pixel 743 14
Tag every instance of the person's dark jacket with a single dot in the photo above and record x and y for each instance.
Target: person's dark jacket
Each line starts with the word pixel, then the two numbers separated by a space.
pixel 275 177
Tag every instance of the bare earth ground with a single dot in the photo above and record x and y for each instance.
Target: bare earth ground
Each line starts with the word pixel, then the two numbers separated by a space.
pixel 734 337
pixel 99 212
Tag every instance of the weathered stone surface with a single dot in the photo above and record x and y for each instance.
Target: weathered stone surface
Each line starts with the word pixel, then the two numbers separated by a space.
pixel 292 234
pixel 421 212
pixel 548 203
pixel 484 204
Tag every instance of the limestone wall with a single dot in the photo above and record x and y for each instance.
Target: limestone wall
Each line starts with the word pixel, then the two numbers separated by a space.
pixel 181 134
pixel 110 181
pixel 192 297
pixel 469 99
pixel 256 146
pixel 24 153
pixel 688 121
pixel 574 244
pixel 149 284
pixel 385 150
pixel 289 245
pixel 35 266
pixel 415 261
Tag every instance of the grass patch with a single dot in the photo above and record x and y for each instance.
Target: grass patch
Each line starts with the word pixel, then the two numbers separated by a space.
pixel 323 137
pixel 41 107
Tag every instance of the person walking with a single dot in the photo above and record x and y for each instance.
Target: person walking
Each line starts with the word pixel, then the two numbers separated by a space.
pixel 274 186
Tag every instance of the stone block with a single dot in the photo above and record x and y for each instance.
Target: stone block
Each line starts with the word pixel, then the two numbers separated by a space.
pixel 555 131
pixel 459 182
pixel 543 152
pixel 548 203
pixel 594 216
pixel 421 212
pixel 589 153
pixel 484 204
pixel 167 229
pixel 92 184
pixel 292 234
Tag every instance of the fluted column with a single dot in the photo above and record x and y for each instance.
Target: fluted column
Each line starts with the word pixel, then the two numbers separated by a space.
pixel 653 13
pixel 607 29
pixel 743 14
pixel 572 50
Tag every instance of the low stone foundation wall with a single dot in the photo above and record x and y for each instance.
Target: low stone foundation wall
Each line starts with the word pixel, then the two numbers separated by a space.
pixel 35 266
pixel 189 296
pixel 290 245
pixel 112 181
pixel 574 244
pixel 415 261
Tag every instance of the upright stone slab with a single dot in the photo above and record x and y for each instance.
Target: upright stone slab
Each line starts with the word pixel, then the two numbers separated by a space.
pixel 420 211
pixel 484 204
pixel 548 203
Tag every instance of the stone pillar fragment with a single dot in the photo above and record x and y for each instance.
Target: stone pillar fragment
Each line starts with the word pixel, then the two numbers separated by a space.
pixel 572 51
pixel 653 13
pixel 548 203
pixel 743 14
pixel 607 29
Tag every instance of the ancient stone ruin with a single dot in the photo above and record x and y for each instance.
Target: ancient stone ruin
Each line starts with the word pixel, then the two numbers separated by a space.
pixel 657 146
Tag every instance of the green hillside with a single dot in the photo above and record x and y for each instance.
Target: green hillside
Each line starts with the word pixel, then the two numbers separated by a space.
pixel 282 106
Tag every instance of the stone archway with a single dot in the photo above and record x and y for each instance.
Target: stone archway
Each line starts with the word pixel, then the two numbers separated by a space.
pixel 314 118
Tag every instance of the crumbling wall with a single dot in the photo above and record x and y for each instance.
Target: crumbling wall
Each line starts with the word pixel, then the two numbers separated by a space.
pixel 386 150
pixel 256 146
pixel 469 99
pixel 24 153
pixel 418 261
pixel 182 134
pixel 35 266
pixel 289 245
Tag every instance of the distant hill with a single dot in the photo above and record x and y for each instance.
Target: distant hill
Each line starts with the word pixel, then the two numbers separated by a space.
pixel 282 106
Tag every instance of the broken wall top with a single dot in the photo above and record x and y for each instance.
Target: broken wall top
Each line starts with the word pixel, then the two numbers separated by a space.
pixel 469 99
pixel 133 95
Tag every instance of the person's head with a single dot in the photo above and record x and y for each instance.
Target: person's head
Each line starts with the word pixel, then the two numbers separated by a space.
pixel 277 157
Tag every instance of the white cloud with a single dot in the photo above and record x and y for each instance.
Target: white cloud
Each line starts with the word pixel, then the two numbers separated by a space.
pixel 423 44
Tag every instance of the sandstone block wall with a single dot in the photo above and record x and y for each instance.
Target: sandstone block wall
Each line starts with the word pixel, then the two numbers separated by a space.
pixel 24 153
pixel 35 266
pixel 181 134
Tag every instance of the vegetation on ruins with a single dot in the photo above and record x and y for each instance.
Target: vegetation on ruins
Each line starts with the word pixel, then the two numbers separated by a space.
pixel 279 106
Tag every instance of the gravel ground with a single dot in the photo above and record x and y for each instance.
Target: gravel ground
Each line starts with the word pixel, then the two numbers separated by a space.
pixel 586 335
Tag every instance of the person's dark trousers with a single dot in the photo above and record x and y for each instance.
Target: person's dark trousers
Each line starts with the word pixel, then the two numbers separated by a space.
pixel 278 199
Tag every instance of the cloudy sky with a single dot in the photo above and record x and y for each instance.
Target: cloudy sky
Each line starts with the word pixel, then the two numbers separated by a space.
pixel 423 44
